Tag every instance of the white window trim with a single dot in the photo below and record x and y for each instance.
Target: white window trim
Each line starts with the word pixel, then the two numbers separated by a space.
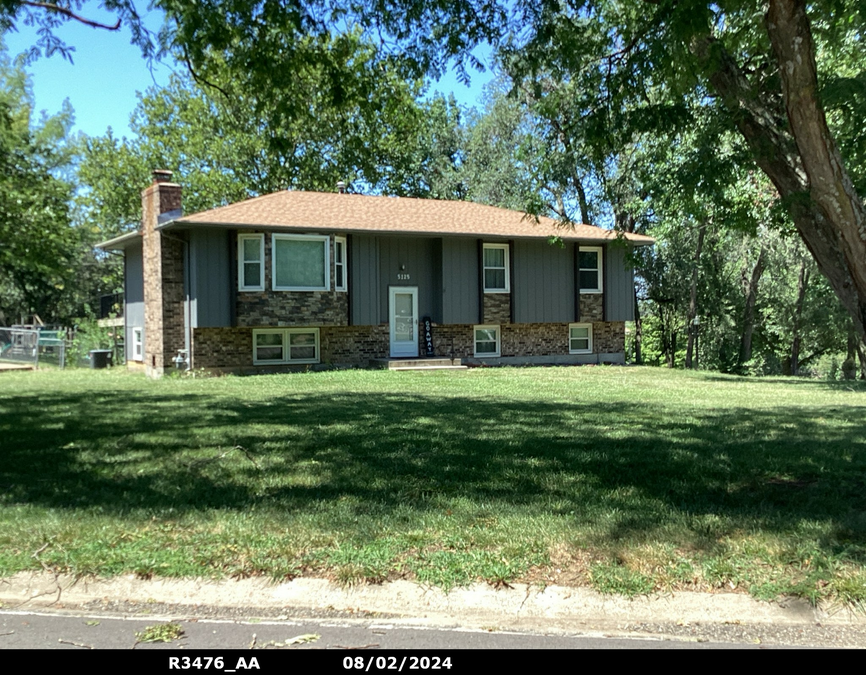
pixel 599 250
pixel 498 342
pixel 326 241
pixel 286 360
pixel 580 325
pixel 261 285
pixel 345 285
pixel 137 343
pixel 507 288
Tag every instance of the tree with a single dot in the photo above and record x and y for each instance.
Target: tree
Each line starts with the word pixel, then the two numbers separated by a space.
pixel 40 251
pixel 227 146
pixel 763 73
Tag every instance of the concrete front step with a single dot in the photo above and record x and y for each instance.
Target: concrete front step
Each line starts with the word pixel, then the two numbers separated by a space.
pixel 430 368
pixel 418 364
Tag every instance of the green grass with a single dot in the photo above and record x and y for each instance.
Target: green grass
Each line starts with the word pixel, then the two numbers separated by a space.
pixel 627 479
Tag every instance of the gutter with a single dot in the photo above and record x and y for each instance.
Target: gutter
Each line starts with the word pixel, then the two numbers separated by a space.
pixel 612 236
pixel 119 243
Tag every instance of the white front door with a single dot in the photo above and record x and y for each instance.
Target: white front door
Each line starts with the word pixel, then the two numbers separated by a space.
pixel 403 311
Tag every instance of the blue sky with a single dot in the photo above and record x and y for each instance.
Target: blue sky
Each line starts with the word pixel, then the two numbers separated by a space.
pixel 107 72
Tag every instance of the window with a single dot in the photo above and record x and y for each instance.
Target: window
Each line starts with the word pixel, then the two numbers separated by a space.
pixel 496 268
pixel 251 262
pixel 590 269
pixel 486 340
pixel 301 262
pixel 580 338
pixel 285 345
pixel 340 281
pixel 137 344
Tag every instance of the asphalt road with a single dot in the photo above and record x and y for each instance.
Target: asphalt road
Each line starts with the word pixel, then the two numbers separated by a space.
pixel 87 631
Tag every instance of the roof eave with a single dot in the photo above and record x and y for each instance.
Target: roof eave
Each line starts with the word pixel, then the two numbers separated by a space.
pixel 180 222
pixel 119 243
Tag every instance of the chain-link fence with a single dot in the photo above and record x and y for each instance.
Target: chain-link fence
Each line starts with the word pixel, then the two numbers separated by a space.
pixel 52 348
pixel 19 345
pixel 33 346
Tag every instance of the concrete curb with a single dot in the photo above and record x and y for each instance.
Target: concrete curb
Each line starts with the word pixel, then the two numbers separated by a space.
pixel 522 607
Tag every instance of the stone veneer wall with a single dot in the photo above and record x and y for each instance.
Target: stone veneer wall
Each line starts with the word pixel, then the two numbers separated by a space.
pixel 497 308
pixel 232 348
pixel 291 308
pixel 591 307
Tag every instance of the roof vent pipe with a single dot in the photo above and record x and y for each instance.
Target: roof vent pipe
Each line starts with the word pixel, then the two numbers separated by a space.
pixel 341 187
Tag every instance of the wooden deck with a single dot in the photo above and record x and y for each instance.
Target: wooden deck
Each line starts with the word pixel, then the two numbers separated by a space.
pixel 14 366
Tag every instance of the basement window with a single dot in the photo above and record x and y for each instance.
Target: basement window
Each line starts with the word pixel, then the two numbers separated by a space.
pixel 486 341
pixel 285 346
pixel 138 344
pixel 580 338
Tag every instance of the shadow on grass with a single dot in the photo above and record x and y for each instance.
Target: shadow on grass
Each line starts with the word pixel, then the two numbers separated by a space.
pixel 804 382
pixel 123 451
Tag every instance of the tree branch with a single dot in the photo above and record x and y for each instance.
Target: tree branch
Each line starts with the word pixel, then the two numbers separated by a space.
pixel 65 11
pixel 200 80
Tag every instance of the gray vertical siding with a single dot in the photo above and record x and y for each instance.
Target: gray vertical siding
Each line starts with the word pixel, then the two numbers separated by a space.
pixel 618 285
pixel 436 310
pixel 364 281
pixel 417 256
pixel 460 280
pixel 133 310
pixel 210 279
pixel 543 289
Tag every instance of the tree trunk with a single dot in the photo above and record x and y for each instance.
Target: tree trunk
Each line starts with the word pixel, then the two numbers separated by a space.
pixel 638 332
pixel 581 199
pixel 861 353
pixel 751 301
pixel 830 186
pixel 804 161
pixel 624 221
pixel 693 296
pixel 802 284
pixel 672 344
pixel 849 366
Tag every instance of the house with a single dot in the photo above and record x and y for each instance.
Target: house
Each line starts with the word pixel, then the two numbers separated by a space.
pixel 303 278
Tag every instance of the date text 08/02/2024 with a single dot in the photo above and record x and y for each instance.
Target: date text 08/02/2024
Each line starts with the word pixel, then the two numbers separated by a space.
pixel 366 664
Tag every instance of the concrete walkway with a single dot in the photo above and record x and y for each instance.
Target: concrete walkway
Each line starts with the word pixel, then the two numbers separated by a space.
pixel 552 610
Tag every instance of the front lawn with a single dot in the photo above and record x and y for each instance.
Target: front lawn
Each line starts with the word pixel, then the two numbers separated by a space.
pixel 627 479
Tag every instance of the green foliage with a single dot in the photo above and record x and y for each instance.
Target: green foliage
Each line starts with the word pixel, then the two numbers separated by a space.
pixel 40 258
pixel 88 335
pixel 226 143
pixel 162 632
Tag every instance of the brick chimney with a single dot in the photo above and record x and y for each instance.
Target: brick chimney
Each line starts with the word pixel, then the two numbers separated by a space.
pixel 164 330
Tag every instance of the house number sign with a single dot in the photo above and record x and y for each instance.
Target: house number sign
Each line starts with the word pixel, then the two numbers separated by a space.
pixel 428 335
pixel 403 276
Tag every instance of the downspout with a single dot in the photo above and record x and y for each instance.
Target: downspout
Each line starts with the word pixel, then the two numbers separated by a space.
pixel 187 306
pixel 347 268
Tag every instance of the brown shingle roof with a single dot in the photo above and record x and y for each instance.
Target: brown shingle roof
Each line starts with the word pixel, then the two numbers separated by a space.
pixel 293 210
